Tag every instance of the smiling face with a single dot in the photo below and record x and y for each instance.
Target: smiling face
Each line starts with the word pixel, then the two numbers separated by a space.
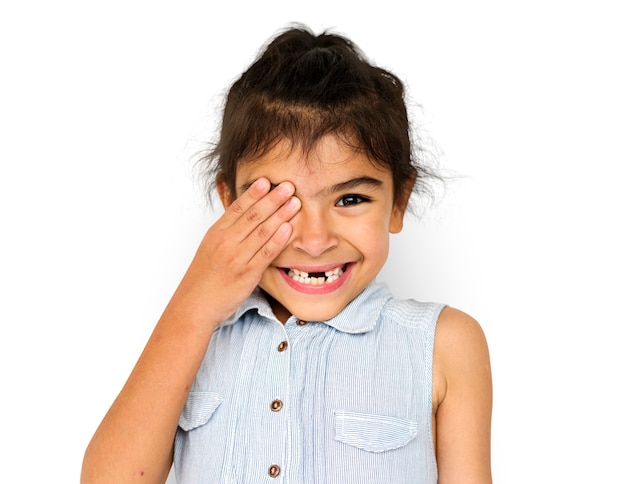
pixel 340 237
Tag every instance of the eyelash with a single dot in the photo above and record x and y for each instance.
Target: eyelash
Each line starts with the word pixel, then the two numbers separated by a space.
pixel 350 200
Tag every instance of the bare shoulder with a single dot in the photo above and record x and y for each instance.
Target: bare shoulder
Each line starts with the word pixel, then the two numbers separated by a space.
pixel 459 332
pixel 461 351
pixel 462 398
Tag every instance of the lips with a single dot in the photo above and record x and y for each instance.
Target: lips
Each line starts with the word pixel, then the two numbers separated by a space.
pixel 316 280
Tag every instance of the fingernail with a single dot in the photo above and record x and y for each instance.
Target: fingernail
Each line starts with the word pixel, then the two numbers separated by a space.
pixel 286 188
pixel 293 204
pixel 262 184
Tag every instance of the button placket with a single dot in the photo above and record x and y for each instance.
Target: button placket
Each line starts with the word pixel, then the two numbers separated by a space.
pixel 278 385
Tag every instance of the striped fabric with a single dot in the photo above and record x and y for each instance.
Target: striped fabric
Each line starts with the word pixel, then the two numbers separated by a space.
pixel 343 401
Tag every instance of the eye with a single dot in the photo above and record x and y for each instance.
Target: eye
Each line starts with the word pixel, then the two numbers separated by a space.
pixel 348 200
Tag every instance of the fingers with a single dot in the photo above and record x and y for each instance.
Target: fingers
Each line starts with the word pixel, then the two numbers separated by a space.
pixel 269 237
pixel 259 189
pixel 256 225
pixel 259 212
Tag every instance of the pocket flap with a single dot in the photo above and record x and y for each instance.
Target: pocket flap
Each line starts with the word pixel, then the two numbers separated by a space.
pixel 374 433
pixel 198 409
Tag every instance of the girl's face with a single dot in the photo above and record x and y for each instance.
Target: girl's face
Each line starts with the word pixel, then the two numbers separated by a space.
pixel 340 237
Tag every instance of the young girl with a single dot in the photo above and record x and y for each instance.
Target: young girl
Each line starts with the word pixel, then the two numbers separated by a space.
pixel 279 358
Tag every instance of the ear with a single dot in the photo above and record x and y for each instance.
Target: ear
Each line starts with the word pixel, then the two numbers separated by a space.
pixel 399 207
pixel 224 192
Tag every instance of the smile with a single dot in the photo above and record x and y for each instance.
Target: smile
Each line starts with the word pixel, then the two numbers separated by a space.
pixel 315 278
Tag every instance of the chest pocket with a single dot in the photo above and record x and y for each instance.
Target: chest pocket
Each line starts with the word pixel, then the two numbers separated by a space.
pixel 373 433
pixel 198 409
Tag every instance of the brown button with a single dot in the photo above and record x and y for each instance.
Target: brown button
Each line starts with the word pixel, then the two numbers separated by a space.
pixel 276 405
pixel 301 323
pixel 283 346
pixel 274 470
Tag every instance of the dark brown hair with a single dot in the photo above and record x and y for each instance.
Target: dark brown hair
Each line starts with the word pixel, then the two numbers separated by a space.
pixel 304 86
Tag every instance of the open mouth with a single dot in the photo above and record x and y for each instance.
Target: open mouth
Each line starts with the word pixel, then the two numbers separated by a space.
pixel 315 278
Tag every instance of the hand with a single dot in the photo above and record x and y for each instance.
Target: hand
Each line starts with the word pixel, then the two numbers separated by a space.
pixel 240 246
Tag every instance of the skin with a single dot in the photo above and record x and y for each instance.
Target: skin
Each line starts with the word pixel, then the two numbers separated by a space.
pixel 462 400
pixel 341 217
pixel 346 216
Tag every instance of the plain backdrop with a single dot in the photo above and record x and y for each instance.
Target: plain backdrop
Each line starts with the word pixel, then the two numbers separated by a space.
pixel 104 105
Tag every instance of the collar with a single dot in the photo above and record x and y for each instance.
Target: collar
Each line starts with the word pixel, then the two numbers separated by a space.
pixel 359 316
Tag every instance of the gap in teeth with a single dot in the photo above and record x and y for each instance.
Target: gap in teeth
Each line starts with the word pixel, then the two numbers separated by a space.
pixel 306 278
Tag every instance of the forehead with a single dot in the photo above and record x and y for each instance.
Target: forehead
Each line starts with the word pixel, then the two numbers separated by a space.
pixel 330 160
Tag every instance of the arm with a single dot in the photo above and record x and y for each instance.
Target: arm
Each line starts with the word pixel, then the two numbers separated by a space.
pixel 462 400
pixel 134 442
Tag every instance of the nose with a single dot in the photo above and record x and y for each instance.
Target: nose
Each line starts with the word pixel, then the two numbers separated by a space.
pixel 313 231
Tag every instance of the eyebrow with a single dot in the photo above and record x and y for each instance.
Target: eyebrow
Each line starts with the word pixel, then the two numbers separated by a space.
pixel 356 183
pixel 339 187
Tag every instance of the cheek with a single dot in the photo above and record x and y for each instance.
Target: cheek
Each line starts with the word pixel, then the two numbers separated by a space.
pixel 372 237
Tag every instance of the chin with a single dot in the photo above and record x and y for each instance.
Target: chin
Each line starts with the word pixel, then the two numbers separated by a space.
pixel 316 311
pixel 316 315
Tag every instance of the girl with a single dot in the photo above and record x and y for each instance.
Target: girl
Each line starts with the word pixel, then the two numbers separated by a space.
pixel 279 357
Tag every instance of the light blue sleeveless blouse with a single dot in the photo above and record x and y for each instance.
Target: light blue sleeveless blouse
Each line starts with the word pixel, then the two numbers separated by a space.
pixel 343 401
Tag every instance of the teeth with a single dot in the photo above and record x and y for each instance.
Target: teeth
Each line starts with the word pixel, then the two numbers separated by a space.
pixel 304 278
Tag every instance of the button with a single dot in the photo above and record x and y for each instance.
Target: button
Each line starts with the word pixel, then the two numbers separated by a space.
pixel 276 405
pixel 274 470
pixel 283 346
pixel 301 323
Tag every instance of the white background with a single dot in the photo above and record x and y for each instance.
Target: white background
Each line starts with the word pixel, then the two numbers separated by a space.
pixel 104 105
